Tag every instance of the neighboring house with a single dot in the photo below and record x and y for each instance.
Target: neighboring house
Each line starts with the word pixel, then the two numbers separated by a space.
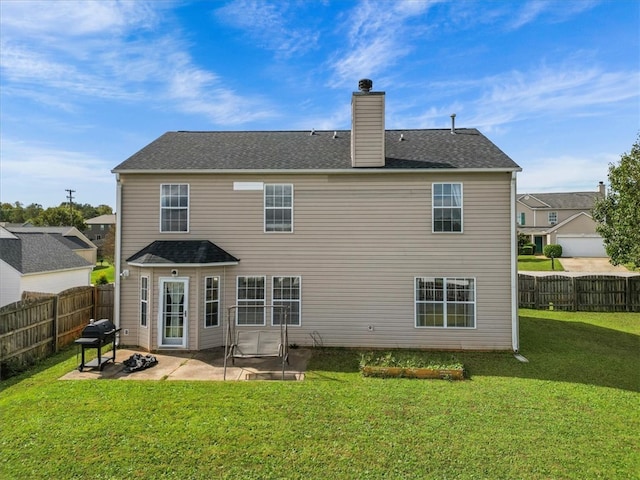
pixel 98 228
pixel 35 261
pixel 564 219
pixel 373 238
pixel 70 237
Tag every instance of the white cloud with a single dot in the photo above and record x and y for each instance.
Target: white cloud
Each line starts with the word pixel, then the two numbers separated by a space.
pixel 38 173
pixel 571 91
pixel 76 18
pixel 270 25
pixel 564 173
pixel 376 40
pixel 550 10
pixel 47 60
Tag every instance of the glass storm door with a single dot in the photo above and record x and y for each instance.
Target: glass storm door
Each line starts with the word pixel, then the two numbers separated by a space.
pixel 173 312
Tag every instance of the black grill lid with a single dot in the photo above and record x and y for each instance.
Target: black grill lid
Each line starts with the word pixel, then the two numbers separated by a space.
pixel 98 329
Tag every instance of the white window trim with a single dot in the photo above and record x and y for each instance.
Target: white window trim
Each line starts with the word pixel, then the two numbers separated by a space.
pixel 444 304
pixel 264 301
pixel 176 208
pixel 433 207
pixel 204 299
pixel 264 208
pixel 299 301
pixel 147 302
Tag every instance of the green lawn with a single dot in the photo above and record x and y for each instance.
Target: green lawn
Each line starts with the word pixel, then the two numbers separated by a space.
pixel 572 412
pixel 540 264
pixel 105 269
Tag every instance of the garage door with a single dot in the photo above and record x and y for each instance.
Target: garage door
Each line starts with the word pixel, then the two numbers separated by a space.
pixel 581 245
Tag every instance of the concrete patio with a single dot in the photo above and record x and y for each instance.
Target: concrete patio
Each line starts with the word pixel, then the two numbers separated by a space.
pixel 206 365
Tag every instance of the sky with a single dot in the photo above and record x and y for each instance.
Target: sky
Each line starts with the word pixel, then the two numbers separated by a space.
pixel 86 84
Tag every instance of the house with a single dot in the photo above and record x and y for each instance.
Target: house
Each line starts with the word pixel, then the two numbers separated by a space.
pixel 371 237
pixel 564 219
pixel 70 237
pixel 32 260
pixel 98 228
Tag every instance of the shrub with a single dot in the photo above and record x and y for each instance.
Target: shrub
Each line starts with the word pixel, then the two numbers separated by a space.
pixel 552 250
pixel 528 249
pixel 103 280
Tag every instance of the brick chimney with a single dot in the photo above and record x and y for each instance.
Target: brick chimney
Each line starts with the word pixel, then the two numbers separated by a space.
pixel 367 126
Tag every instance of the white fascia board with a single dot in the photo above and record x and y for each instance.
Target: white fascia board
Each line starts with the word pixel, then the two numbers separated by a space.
pixel 353 170
pixel 181 265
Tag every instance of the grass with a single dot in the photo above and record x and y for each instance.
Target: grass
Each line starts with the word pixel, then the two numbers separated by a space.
pixel 538 264
pixel 571 412
pixel 106 269
pixel 409 359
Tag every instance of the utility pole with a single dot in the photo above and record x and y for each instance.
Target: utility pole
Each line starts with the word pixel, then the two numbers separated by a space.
pixel 70 197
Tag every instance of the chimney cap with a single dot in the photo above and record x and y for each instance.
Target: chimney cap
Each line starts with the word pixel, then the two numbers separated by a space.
pixel 365 85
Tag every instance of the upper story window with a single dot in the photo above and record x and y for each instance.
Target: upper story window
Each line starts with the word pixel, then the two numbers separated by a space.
pixel 278 208
pixel 553 217
pixel 447 207
pixel 521 218
pixel 174 207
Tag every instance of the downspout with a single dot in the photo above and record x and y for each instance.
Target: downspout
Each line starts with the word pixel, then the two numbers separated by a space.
pixel 118 246
pixel 515 325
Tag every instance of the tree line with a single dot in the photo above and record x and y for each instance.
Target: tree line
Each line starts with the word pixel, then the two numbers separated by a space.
pixel 64 215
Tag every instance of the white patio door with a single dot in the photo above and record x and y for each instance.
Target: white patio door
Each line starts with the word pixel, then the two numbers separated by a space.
pixel 174 294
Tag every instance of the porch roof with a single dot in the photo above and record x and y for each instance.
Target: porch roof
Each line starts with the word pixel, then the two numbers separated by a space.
pixel 182 252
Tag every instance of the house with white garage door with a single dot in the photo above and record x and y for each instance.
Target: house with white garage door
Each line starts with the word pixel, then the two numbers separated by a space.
pixel 562 218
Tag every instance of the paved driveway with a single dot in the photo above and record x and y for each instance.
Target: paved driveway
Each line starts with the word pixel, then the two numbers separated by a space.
pixel 590 265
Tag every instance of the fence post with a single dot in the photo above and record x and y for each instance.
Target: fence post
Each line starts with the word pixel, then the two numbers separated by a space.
pixel 56 324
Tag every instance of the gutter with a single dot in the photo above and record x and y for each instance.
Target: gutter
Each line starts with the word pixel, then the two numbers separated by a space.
pixel 118 246
pixel 515 322
pixel 290 171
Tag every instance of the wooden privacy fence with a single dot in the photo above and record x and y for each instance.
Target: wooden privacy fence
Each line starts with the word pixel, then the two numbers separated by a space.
pixel 589 293
pixel 41 324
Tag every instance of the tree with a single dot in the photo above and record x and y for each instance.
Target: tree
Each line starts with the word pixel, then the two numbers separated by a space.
pixel 618 214
pixel 109 245
pixel 61 217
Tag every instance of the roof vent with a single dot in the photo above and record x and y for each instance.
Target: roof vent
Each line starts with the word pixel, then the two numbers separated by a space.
pixel 365 85
pixel 401 137
pixel 453 123
pixel 335 134
pixel 313 131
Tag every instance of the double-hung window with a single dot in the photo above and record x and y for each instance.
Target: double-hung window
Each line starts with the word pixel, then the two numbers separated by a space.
pixel 447 207
pixel 174 207
pixel 445 302
pixel 553 217
pixel 278 208
pixel 144 301
pixel 211 301
pixel 250 299
pixel 286 291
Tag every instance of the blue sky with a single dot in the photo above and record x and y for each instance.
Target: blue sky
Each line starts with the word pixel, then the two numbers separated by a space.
pixel 84 85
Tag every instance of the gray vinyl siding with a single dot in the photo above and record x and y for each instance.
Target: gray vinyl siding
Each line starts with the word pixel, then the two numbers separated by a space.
pixel 359 241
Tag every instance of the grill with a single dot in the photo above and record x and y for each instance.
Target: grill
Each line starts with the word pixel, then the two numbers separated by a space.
pixel 96 335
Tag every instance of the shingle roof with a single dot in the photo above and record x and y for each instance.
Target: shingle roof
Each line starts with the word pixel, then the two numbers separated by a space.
pixel 180 252
pixel 109 219
pixel 571 200
pixel 65 235
pixel 39 252
pixel 298 150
